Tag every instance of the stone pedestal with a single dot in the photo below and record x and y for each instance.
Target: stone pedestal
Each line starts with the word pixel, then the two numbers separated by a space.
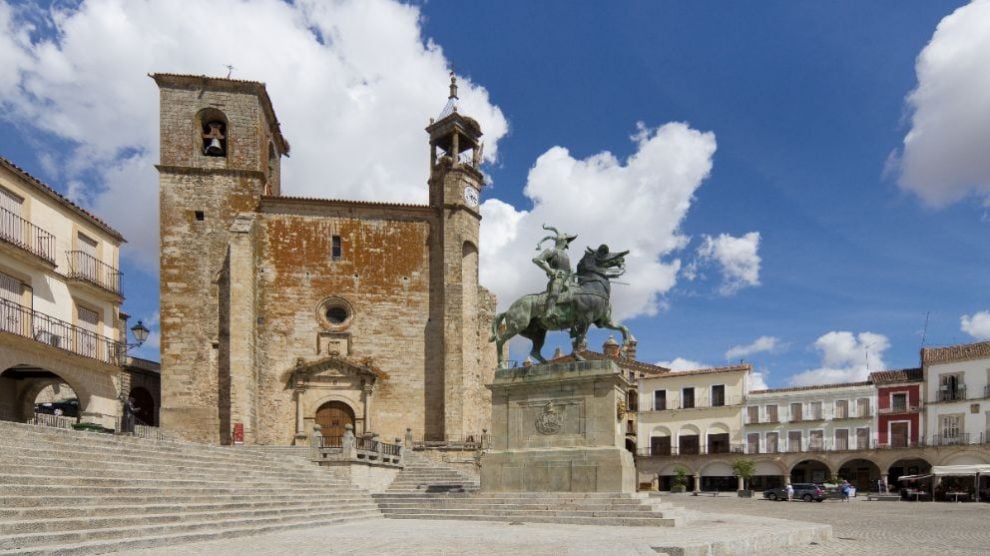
pixel 558 427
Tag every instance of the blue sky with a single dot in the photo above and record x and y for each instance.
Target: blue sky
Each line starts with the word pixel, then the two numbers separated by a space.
pixel 800 217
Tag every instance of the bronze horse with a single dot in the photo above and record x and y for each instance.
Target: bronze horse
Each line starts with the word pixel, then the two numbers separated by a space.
pixel 587 302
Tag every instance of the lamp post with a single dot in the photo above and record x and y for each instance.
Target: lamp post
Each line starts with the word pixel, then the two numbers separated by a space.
pixel 140 333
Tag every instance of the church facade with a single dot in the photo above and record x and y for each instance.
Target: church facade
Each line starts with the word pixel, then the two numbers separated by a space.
pixel 278 312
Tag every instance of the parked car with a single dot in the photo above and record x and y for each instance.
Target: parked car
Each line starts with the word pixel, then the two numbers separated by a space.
pixel 802 491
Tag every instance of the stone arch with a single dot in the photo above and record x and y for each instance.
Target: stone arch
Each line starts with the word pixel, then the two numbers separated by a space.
pixel 688 429
pixel 720 467
pixel 341 397
pixel 147 410
pixel 660 430
pixel 93 382
pixel 863 473
pixel 769 468
pixel 334 417
pixel 810 469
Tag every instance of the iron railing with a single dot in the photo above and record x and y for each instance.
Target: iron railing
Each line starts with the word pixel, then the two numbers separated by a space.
pixel 899 409
pixel 49 420
pixel 691 450
pixel 954 395
pixel 331 441
pixel 83 266
pixel 24 321
pixel 21 233
pixel 700 402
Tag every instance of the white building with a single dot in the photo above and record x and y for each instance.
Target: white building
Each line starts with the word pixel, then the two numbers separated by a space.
pixel 61 330
pixel 811 418
pixel 957 394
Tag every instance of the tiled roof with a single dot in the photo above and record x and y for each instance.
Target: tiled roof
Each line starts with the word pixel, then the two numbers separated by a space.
pixel 61 199
pixel 815 387
pixel 714 370
pixel 902 375
pixel 256 87
pixel 961 352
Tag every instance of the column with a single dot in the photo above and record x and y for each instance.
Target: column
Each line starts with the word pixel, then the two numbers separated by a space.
pixel 300 415
pixel 368 390
pixel 697 483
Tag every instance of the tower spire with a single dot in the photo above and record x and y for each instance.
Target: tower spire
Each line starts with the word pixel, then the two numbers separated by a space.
pixel 453 85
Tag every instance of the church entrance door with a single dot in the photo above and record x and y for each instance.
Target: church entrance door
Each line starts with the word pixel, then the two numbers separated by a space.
pixel 333 417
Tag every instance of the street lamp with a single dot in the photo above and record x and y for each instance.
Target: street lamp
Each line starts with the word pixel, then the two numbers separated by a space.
pixel 140 332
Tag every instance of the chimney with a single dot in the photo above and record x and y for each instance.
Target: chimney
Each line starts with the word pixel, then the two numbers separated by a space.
pixel 611 348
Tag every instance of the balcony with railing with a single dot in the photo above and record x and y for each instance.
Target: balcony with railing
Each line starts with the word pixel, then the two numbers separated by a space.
pixel 24 235
pixel 956 394
pixel 87 268
pixel 700 402
pixel 899 409
pixel 29 323
pixel 661 451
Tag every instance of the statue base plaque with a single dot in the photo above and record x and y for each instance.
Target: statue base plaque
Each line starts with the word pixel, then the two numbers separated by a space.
pixel 559 427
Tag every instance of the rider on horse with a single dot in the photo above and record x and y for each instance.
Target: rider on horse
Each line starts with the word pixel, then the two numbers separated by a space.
pixel 557 264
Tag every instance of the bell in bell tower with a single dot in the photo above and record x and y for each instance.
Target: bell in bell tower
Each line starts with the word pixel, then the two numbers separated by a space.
pixel 455 145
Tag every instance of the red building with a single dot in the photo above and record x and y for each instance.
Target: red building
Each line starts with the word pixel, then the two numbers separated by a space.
pixel 898 407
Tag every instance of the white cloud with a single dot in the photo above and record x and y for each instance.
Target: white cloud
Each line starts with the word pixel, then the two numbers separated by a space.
pixel 846 357
pixel 637 204
pixel 680 364
pixel 761 344
pixel 353 83
pixel 757 380
pixel 737 258
pixel 977 325
pixel 944 157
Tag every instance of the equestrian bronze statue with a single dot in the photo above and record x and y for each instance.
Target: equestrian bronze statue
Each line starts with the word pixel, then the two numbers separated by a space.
pixel 573 300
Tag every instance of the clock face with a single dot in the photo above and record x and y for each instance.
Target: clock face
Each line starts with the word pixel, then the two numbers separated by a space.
pixel 471 196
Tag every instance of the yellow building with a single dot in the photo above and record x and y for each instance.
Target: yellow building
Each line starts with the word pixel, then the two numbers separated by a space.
pixel 61 331
pixel 692 413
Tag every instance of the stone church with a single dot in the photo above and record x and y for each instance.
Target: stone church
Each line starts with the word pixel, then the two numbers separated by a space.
pixel 278 312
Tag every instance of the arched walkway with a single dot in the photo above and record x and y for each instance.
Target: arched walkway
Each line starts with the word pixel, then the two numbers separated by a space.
pixel 861 473
pixel 767 475
pixel 718 476
pixel 24 390
pixel 810 471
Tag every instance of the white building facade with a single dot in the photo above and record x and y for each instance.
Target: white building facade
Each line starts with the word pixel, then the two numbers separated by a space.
pixel 61 328
pixel 957 394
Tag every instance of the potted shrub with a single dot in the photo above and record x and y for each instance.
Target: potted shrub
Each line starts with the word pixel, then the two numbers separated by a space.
pixel 744 469
pixel 680 479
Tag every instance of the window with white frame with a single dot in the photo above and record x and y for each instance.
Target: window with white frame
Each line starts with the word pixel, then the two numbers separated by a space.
pixel 841 409
pixel 898 401
pixel 841 439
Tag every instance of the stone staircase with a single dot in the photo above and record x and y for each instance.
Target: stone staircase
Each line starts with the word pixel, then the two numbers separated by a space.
pixel 69 492
pixel 429 490
pixel 420 474
pixel 590 508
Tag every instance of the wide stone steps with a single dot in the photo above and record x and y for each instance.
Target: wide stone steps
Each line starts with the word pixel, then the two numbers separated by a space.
pixel 568 520
pixel 24 507
pixel 99 540
pixel 127 472
pixel 177 515
pixel 73 492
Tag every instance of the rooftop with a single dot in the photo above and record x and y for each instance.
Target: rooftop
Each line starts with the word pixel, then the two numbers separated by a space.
pixel 902 375
pixel 961 352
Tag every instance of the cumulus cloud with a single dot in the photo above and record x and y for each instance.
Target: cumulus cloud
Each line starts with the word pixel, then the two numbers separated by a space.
pixel 761 344
pixel 977 325
pixel 846 357
pixel 758 380
pixel 680 364
pixel 736 258
pixel 637 204
pixel 353 83
pixel 944 157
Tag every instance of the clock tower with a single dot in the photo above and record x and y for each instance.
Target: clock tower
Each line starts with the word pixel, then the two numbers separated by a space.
pixel 455 187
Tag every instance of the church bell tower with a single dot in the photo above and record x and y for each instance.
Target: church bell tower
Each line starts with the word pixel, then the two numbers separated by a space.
pixel 455 188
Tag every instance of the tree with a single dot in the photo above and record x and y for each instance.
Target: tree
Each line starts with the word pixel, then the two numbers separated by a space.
pixel 744 469
pixel 680 479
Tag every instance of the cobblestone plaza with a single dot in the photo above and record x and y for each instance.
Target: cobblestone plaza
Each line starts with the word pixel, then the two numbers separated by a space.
pixel 860 527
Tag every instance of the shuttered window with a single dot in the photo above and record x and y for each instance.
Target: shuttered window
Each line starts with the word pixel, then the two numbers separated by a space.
pixel 11 294
pixel 89 321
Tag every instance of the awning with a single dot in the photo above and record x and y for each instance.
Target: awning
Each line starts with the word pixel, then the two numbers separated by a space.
pixel 960 470
pixel 913 477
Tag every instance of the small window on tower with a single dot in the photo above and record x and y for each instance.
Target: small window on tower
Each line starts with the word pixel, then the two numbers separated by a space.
pixel 336 249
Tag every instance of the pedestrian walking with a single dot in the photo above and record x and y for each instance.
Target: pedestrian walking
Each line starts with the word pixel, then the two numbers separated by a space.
pixel 790 492
pixel 845 491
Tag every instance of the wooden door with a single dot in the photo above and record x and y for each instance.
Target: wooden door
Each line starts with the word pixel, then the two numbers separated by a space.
pixel 899 435
pixel 333 417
